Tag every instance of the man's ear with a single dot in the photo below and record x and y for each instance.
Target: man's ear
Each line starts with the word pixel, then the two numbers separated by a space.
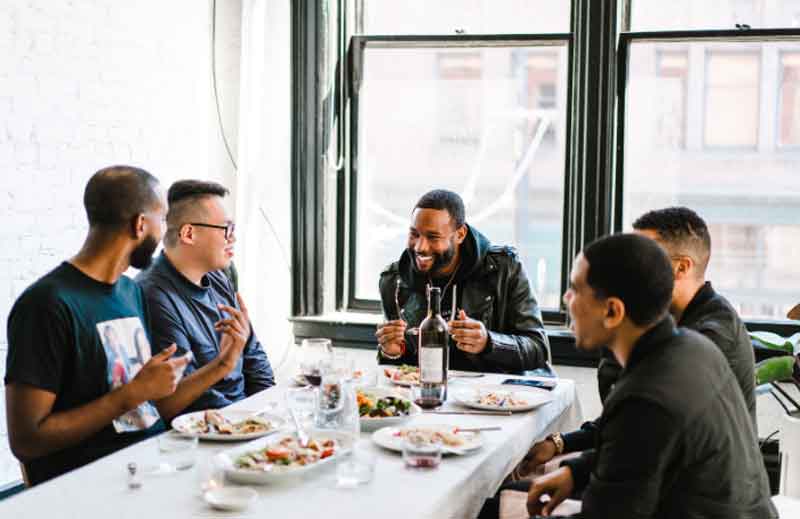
pixel 461 233
pixel 186 233
pixel 137 226
pixel 615 313
pixel 684 266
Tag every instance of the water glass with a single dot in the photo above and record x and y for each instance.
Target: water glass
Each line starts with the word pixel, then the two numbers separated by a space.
pixel 177 452
pixel 357 468
pixel 211 473
pixel 302 403
pixel 330 400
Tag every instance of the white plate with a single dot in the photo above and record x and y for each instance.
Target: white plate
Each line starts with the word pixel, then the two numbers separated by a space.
pixel 259 477
pixel 181 424
pixel 533 397
pixel 388 439
pixel 230 499
pixel 403 383
pixel 370 424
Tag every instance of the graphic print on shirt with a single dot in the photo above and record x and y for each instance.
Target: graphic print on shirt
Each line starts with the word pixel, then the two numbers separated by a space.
pixel 127 350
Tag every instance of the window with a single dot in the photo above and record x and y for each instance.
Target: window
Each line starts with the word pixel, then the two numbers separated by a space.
pixel 731 99
pixel 485 119
pixel 789 95
pixel 660 15
pixel 711 126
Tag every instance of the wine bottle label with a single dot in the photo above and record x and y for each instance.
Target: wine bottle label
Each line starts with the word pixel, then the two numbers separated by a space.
pixel 431 361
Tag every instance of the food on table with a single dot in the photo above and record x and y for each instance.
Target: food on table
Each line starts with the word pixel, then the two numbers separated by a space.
pixel 427 435
pixel 287 453
pixel 215 422
pixel 498 399
pixel 371 406
pixel 403 374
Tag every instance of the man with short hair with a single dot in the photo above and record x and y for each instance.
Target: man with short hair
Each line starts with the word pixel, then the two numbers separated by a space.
pixel 675 438
pixel 497 325
pixel 695 305
pixel 77 388
pixel 185 289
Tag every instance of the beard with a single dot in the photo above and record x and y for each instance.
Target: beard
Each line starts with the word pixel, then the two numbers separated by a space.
pixel 142 255
pixel 440 259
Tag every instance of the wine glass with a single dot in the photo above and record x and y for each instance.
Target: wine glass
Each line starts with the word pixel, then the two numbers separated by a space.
pixel 313 352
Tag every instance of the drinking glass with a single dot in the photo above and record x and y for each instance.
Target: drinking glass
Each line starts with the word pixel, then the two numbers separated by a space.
pixel 357 468
pixel 428 396
pixel 302 402
pixel 330 398
pixel 314 352
pixel 211 472
pixel 177 452
pixel 421 454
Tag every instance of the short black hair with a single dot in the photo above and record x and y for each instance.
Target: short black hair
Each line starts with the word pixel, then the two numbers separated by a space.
pixel 115 195
pixel 681 230
pixel 442 199
pixel 182 198
pixel 634 269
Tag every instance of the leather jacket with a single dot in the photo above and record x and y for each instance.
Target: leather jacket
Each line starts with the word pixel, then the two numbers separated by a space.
pixel 491 286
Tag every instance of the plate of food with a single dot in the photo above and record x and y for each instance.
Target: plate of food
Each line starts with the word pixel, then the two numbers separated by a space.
pixel 501 398
pixel 277 458
pixel 403 375
pixel 381 407
pixel 227 424
pixel 449 437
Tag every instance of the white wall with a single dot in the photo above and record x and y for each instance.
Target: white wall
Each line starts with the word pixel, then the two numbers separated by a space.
pixel 90 83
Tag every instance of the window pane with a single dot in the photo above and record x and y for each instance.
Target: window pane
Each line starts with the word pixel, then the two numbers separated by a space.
pixel 731 103
pixel 487 123
pixel 789 114
pixel 471 16
pixel 672 15
pixel 704 125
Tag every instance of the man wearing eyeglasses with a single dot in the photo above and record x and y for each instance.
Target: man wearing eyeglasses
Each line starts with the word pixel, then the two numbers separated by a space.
pixel 186 290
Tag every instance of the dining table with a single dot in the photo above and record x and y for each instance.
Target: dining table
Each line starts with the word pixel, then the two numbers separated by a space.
pixel 456 488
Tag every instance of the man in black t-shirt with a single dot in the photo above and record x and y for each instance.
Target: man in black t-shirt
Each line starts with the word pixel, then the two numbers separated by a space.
pixel 79 382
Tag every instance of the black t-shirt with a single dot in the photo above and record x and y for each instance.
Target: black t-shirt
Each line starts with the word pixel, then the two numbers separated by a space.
pixel 79 338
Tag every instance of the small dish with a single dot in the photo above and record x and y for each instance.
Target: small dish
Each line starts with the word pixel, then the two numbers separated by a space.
pixel 232 499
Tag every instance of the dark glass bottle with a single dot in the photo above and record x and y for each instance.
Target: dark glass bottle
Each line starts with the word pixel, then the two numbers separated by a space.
pixel 433 354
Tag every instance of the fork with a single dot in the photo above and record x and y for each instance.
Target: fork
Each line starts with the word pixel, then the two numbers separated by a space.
pixel 302 435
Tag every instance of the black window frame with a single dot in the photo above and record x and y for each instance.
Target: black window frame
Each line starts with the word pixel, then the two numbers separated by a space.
pixel 626 39
pixel 347 215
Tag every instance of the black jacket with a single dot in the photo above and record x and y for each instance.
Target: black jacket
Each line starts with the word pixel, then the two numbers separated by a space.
pixel 713 316
pixel 675 439
pixel 492 286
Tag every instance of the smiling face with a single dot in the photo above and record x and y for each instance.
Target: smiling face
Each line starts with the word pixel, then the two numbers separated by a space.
pixel 212 248
pixel 588 313
pixel 434 241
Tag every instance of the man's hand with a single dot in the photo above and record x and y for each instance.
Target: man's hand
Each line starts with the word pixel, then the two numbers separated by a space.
pixel 557 485
pixel 392 337
pixel 540 453
pixel 470 335
pixel 235 332
pixel 159 377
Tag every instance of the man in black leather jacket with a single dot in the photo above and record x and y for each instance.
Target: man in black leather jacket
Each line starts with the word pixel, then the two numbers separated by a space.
pixel 496 326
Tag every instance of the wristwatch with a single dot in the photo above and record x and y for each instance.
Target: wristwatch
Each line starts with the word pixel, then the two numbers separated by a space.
pixel 387 356
pixel 558 441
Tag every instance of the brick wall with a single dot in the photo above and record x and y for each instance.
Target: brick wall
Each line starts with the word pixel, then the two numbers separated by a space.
pixel 85 84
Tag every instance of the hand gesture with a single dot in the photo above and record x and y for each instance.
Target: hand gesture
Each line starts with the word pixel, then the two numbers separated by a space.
pixel 557 485
pixel 235 332
pixel 470 335
pixel 392 337
pixel 159 377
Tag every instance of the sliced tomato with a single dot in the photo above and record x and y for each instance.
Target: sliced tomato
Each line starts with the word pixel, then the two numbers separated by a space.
pixel 277 453
pixel 326 453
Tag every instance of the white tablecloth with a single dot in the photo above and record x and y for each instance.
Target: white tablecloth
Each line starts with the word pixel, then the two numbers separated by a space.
pixel 457 488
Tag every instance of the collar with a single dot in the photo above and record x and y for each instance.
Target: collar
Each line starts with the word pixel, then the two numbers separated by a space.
pixel 703 296
pixel 194 290
pixel 652 340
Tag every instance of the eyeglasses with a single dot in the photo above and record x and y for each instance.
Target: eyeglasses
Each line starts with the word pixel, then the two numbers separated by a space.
pixel 229 227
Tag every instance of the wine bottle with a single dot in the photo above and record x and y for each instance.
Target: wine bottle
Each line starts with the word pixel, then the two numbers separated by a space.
pixel 433 354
